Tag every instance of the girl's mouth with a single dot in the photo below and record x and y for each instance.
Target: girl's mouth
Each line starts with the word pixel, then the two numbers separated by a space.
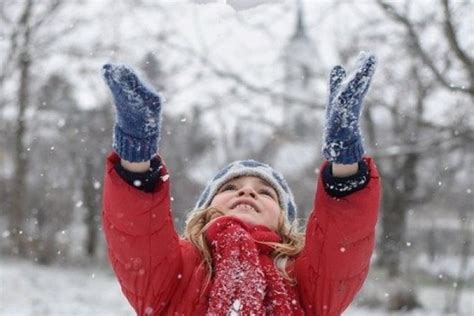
pixel 245 206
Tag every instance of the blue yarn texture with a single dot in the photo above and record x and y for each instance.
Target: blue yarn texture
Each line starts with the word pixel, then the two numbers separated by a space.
pixel 138 114
pixel 342 136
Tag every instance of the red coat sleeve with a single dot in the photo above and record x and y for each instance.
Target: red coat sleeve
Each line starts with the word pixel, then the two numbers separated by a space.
pixel 339 242
pixel 143 245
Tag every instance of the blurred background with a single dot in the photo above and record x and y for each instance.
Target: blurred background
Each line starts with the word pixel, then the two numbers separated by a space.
pixel 239 79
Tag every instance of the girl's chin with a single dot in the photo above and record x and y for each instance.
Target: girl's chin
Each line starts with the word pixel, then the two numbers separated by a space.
pixel 251 219
pixel 245 217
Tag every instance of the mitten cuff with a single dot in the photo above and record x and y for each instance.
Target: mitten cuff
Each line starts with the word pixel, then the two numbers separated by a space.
pixel 340 187
pixel 144 181
pixel 134 149
pixel 339 152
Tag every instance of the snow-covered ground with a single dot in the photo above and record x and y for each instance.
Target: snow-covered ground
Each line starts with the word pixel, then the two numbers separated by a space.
pixel 33 290
pixel 28 289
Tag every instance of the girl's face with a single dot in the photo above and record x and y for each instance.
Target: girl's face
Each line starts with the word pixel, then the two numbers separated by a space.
pixel 250 199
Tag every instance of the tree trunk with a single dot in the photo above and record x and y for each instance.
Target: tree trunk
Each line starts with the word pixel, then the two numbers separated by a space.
pixel 454 298
pixel 18 212
pixel 393 228
pixel 91 205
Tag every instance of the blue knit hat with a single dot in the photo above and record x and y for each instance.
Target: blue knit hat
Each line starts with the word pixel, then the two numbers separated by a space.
pixel 253 168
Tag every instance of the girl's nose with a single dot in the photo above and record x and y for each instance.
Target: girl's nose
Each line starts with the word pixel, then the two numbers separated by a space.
pixel 247 190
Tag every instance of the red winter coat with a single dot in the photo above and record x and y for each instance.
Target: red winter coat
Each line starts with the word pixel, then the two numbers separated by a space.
pixel 161 274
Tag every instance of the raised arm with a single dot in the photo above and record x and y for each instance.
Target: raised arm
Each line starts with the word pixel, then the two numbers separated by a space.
pixel 339 242
pixel 340 233
pixel 143 245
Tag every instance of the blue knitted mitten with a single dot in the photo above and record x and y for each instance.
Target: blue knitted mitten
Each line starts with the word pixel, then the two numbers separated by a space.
pixel 342 136
pixel 138 108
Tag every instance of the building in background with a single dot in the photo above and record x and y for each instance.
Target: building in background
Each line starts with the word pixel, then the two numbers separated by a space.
pixel 298 57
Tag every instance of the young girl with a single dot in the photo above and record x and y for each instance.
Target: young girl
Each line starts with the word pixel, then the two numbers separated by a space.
pixel 241 253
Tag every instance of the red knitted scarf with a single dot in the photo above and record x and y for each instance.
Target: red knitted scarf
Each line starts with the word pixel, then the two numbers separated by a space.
pixel 245 280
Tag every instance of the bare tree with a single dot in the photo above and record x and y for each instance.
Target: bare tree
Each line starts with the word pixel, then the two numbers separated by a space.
pixel 451 37
pixel 30 40
pixel 23 60
pixel 401 175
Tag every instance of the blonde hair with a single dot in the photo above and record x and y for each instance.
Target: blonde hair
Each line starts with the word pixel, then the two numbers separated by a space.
pixel 291 244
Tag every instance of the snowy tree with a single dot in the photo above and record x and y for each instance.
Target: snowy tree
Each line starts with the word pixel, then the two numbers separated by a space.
pixel 23 25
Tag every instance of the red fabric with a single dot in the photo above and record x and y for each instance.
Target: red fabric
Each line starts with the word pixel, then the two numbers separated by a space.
pixel 161 274
pixel 245 278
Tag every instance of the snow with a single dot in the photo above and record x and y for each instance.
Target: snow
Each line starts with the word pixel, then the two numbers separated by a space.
pixel 294 157
pixel 238 42
pixel 444 265
pixel 252 39
pixel 29 290
pixel 235 308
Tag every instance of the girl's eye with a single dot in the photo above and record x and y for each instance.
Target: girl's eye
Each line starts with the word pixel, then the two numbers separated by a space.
pixel 228 187
pixel 267 192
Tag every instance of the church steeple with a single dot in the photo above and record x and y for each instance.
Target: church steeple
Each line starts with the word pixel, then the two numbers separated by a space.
pixel 300 30
pixel 299 67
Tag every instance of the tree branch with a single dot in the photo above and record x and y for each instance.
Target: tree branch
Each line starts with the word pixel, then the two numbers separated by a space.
pixel 8 63
pixel 242 81
pixel 396 16
pixel 453 41
pixel 444 142
pixel 48 13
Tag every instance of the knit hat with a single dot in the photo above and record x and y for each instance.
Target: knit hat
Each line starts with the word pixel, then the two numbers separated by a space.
pixel 254 168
